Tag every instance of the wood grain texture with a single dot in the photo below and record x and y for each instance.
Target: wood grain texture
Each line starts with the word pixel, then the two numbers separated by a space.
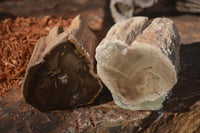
pixel 191 6
pixel 139 62
pixel 61 74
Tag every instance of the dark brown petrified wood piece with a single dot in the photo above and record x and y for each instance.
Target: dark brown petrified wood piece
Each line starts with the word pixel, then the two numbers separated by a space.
pixel 60 74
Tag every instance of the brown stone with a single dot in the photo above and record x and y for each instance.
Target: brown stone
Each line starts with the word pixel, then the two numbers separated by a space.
pixel 61 74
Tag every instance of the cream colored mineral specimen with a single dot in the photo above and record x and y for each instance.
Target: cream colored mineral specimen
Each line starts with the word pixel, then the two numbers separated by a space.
pixel 124 9
pixel 139 62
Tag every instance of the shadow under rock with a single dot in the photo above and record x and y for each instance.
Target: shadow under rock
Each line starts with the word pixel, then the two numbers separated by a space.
pixel 4 15
pixel 104 97
pixel 107 23
pixel 186 92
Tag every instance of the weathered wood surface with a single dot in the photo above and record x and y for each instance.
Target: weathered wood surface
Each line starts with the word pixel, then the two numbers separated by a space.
pixel 124 9
pixel 121 9
pixel 145 3
pixel 192 6
pixel 61 74
pixel 139 62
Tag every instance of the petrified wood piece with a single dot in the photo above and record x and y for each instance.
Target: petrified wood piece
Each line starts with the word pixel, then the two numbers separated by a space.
pixel 124 9
pixel 145 3
pixel 192 6
pixel 60 74
pixel 139 62
pixel 121 9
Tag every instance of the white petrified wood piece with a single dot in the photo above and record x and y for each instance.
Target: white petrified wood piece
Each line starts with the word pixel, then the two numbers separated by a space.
pixel 145 3
pixel 121 9
pixel 61 73
pixel 124 9
pixel 192 6
pixel 139 62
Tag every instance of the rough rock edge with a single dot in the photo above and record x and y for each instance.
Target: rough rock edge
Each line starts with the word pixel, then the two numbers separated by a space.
pixel 136 35
pixel 72 34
